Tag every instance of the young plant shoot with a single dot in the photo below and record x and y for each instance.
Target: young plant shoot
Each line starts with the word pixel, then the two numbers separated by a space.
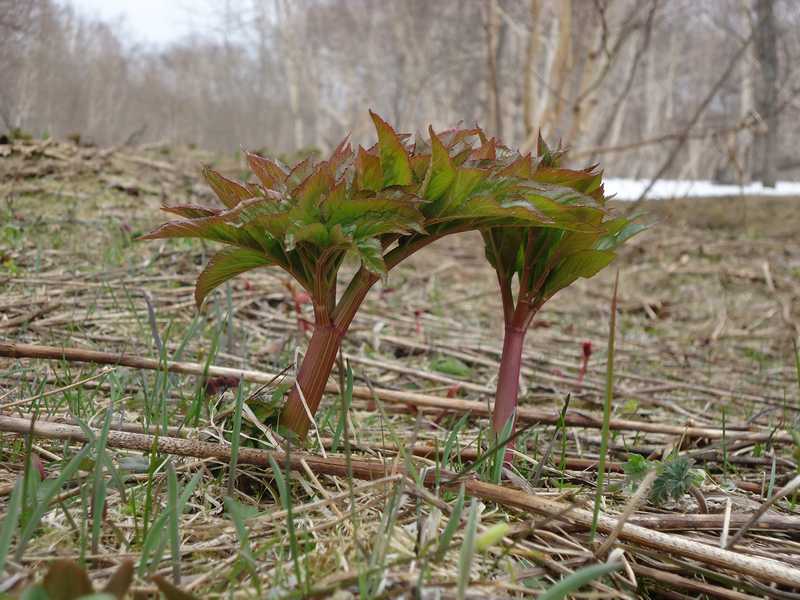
pixel 379 205
pixel 545 260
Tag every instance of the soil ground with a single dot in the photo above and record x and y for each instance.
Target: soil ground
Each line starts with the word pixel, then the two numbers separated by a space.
pixel 709 306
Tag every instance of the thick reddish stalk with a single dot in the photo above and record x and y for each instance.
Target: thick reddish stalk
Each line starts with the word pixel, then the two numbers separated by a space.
pixel 312 377
pixel 505 402
pixel 321 355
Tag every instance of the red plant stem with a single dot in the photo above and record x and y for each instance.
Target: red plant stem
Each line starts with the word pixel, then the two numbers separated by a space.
pixel 325 341
pixel 517 322
pixel 321 355
pixel 312 378
pixel 505 401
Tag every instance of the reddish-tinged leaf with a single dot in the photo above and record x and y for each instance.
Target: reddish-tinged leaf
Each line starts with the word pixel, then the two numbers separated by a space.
pixel 191 211
pixel 369 175
pixel 308 194
pixel 581 181
pixel 121 580
pixel 269 173
pixel 217 385
pixel 521 167
pixel 451 137
pixel 228 191
pixel 208 228
pixel 227 264
pixel 340 155
pixel 487 150
pixel 393 156
pixel 299 173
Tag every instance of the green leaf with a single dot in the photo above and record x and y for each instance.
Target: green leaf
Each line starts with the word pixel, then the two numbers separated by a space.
pixel 636 469
pixel 369 175
pixel 586 263
pixel 308 194
pixel 466 182
pixel 48 491
pixel 374 216
pixel 452 524
pixel 227 264
pixel 35 592
pixel 313 233
pixel 467 549
pixel 577 580
pixel 442 172
pixel 371 255
pixel 622 231
pixel 393 156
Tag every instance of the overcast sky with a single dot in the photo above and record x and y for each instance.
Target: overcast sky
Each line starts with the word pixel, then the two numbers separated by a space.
pixel 150 21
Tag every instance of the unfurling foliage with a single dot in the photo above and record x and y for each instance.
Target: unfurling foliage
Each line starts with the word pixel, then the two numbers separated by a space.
pixel 379 204
pixel 547 259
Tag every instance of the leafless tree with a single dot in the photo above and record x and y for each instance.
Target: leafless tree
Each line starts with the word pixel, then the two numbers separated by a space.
pixel 613 79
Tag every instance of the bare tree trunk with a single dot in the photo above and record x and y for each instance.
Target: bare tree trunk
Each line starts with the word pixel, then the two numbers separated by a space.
pixel 492 47
pixel 745 138
pixel 562 61
pixel 528 81
pixel 766 101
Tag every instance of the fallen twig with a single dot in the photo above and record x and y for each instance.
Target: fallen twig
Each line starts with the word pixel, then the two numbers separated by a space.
pixel 525 414
pixel 763 569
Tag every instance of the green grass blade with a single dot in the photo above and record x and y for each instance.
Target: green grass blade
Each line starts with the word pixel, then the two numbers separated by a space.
pixel 154 542
pixel 344 408
pixel 235 437
pixel 173 518
pixel 452 439
pixel 606 431
pixel 10 522
pixel 100 489
pixel 452 525
pixel 467 550
pixel 237 515
pixel 577 580
pixel 286 502
pixel 500 456
pixel 48 492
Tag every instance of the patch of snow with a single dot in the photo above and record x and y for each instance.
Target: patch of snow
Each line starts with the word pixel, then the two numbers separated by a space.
pixel 631 189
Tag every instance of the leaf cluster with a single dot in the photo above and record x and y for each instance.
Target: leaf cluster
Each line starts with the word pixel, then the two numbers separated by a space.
pixel 379 204
pixel 546 259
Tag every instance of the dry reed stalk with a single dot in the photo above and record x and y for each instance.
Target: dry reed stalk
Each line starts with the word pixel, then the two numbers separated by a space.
pixel 524 414
pixel 764 569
